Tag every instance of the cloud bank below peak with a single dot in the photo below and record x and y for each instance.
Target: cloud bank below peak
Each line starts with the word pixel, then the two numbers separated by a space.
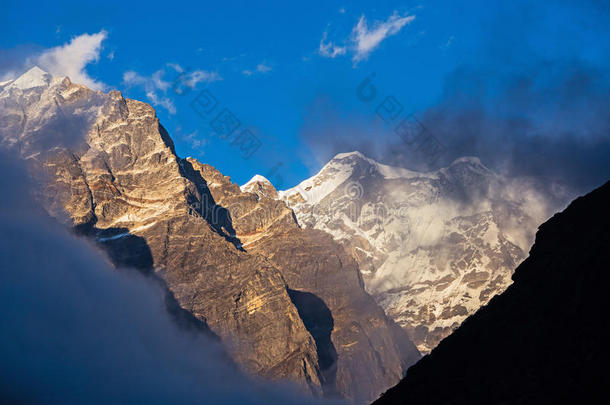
pixel 75 330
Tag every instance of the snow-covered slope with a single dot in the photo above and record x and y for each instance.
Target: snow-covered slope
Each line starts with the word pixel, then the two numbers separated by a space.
pixel 40 112
pixel 432 247
pixel 35 77
pixel 260 186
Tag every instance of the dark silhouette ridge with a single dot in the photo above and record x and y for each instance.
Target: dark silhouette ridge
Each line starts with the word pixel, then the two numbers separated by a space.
pixel 545 339
pixel 318 321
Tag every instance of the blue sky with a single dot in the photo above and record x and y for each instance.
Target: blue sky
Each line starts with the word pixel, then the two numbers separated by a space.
pixel 289 72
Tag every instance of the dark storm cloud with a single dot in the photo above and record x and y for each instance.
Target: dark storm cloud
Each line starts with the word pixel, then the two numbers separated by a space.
pixel 552 123
pixel 526 107
pixel 75 330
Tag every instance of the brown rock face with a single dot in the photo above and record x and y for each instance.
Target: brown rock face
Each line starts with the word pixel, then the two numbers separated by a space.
pixel 287 303
pixel 122 183
pixel 359 348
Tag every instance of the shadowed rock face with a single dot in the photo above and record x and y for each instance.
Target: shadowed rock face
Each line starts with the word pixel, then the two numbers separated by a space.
pixel 371 350
pixel 545 339
pixel 287 303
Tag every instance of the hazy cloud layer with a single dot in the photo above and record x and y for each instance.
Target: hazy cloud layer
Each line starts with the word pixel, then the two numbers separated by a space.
pixel 75 330
pixel 523 113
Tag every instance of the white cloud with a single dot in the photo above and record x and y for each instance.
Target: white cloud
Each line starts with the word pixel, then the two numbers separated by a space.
pixel 260 68
pixel 195 141
pixel 365 40
pixel 198 76
pixel 448 43
pixel 176 67
pixel 329 49
pixel 191 79
pixel 263 68
pixel 71 59
pixel 156 87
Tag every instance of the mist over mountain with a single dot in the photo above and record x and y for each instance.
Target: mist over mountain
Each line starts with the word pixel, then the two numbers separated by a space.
pixel 432 247
pixel 524 108
pixel 544 340
pixel 303 203
pixel 75 329
pixel 286 303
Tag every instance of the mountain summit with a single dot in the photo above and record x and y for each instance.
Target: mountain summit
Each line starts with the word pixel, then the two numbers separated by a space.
pixel 432 247
pixel 35 77
pixel 287 303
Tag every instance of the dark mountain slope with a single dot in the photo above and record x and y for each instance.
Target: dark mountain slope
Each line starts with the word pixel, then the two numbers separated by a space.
pixel 544 340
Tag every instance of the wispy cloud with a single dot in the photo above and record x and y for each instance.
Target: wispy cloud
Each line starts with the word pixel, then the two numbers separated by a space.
pixel 71 59
pixel 365 40
pixel 191 78
pixel 260 68
pixel 156 87
pixel 447 43
pixel 330 49
pixel 176 67
pixel 263 68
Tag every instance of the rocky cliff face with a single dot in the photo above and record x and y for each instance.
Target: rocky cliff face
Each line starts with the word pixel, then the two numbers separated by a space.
pixel 359 348
pixel 432 247
pixel 545 339
pixel 234 260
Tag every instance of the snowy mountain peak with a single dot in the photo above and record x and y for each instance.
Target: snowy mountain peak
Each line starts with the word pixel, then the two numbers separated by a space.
pixel 35 77
pixel 260 186
pixel 351 158
pixel 349 154
pixel 468 159
pixel 257 178
pixel 432 247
